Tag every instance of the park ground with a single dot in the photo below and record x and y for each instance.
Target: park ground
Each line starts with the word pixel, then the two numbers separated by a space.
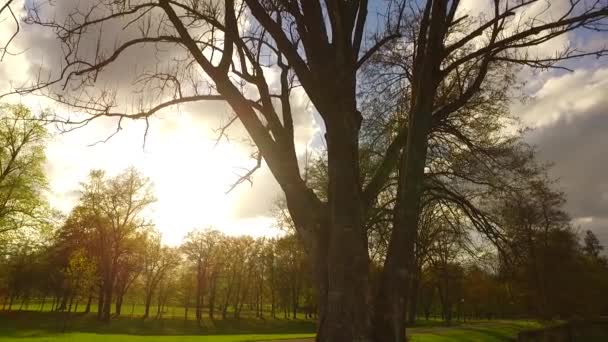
pixel 27 326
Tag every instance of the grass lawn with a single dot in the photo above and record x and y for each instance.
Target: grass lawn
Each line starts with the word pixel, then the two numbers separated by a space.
pixel 495 331
pixel 74 337
pixel 45 326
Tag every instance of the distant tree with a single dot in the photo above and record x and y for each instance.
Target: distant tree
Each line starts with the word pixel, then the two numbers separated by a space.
pixel 108 220
pixel 592 245
pixel 203 248
pixel 158 261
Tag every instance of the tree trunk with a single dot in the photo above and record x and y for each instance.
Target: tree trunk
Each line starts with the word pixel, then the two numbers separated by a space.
pixel 147 304
pixel 118 305
pixel 107 302
pixel 199 288
pixel 343 289
pixel 89 301
pixel 100 303
pixel 64 302
pixel 391 300
pixel 413 299
pixel 294 301
pixel 212 298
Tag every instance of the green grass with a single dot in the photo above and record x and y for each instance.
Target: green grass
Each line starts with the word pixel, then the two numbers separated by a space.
pixel 495 331
pixel 135 310
pixel 46 326
pixel 69 337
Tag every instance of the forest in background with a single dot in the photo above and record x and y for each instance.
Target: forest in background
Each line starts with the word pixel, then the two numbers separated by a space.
pixel 106 257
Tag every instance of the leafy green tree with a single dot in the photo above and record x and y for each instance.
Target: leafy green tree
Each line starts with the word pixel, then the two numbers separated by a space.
pixel 23 139
pixel 109 221
pixel 80 275
pixel 158 261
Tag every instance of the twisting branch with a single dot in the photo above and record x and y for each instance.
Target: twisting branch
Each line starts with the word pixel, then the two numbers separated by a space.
pixel 7 7
pixel 247 177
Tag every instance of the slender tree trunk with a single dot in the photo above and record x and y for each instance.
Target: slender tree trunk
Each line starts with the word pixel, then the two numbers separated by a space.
pixel 199 290
pixel 5 301
pixel 413 299
pixel 212 298
pixel 391 300
pixel 64 302
pixel 89 301
pixel 100 302
pixel 148 302
pixel 118 304
pixel 294 301
pixel 107 303
pixel 71 302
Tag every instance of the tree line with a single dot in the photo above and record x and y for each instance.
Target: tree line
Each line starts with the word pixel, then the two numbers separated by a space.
pixel 105 256
pixel 105 252
pixel 499 245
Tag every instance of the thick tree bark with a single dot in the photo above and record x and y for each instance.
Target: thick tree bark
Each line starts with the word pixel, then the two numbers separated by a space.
pixel 344 312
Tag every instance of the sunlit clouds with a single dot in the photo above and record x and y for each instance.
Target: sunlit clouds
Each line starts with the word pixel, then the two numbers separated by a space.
pixel 191 174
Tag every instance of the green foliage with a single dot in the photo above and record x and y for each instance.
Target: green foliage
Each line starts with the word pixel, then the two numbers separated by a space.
pixel 23 180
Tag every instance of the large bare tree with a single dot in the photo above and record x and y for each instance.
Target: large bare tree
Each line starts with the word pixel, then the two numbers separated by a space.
pixel 226 50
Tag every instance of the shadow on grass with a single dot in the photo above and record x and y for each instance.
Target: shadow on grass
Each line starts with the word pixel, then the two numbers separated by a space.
pixel 37 324
pixel 495 331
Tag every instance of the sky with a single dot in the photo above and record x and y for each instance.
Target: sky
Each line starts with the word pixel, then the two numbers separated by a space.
pixel 567 112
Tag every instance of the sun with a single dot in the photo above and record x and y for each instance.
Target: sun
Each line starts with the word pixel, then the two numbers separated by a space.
pixel 192 175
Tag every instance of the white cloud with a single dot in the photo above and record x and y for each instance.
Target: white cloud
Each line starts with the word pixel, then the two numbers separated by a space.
pixel 569 114
pixel 563 97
